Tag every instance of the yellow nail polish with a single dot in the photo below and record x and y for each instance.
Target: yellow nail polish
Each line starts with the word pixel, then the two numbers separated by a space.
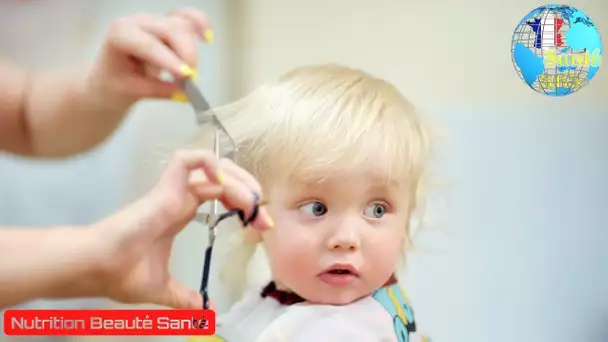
pixel 208 34
pixel 270 222
pixel 194 75
pixel 179 96
pixel 204 339
pixel 220 177
pixel 186 70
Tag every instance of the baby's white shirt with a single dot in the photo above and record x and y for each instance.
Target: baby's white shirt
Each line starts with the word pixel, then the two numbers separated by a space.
pixel 263 319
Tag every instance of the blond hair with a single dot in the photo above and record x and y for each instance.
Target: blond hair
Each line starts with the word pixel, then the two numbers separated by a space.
pixel 327 118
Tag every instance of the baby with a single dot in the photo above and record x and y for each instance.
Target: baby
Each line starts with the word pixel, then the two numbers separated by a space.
pixel 340 155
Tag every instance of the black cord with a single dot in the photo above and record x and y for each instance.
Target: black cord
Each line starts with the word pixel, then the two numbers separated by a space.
pixel 254 212
pixel 208 252
pixel 205 278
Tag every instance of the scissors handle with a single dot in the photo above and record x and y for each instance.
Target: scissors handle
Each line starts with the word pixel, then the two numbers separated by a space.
pixel 214 219
pixel 205 278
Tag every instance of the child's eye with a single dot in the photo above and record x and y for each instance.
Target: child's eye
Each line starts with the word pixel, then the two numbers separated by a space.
pixel 314 208
pixel 375 210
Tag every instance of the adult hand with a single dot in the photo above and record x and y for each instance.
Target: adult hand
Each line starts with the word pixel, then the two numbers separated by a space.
pixel 61 114
pixel 137 47
pixel 137 241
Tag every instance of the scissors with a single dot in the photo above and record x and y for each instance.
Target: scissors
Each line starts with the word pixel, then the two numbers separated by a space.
pixel 205 115
pixel 203 111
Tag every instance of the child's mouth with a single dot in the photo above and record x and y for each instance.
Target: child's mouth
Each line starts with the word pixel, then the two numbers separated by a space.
pixel 340 271
pixel 339 275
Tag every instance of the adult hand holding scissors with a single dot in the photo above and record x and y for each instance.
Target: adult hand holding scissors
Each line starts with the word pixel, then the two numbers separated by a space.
pixel 126 256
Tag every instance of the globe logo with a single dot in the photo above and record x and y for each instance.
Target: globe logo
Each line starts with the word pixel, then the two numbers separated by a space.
pixel 556 49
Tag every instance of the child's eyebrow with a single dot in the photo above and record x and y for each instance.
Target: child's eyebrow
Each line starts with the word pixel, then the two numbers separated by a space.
pixel 383 182
pixel 376 184
pixel 390 189
pixel 309 182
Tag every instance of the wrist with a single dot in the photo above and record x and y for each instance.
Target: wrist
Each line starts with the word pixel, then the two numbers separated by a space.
pixel 103 95
pixel 84 277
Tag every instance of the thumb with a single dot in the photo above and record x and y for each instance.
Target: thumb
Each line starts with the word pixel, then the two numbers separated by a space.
pixel 178 296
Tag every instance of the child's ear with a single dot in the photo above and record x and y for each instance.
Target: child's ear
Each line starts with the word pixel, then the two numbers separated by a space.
pixel 253 236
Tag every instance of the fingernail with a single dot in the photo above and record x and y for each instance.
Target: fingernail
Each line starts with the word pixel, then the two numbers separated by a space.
pixel 179 96
pixel 269 221
pixel 220 177
pixel 187 71
pixel 208 35
pixel 201 339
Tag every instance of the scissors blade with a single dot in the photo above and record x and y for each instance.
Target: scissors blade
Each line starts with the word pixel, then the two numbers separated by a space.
pixel 200 104
pixel 204 113
pixel 216 151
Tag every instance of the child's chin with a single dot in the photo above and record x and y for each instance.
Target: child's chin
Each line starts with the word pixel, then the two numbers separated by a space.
pixel 337 299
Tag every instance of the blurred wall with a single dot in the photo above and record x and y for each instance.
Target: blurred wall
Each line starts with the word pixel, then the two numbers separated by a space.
pixel 514 247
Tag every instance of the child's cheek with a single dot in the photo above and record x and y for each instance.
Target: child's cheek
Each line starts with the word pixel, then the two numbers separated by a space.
pixel 291 245
pixel 293 257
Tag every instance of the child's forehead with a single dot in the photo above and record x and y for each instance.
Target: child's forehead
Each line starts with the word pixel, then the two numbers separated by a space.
pixel 371 179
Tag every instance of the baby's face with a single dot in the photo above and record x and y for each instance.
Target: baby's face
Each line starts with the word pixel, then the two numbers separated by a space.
pixel 337 240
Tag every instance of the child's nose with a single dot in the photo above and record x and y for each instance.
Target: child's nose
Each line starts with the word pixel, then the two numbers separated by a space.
pixel 346 237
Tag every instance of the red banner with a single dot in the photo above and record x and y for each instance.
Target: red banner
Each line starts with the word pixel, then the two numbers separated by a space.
pixel 109 322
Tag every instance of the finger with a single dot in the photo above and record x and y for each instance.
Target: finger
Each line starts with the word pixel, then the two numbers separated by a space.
pixel 198 20
pixel 263 219
pixel 197 177
pixel 178 296
pixel 168 197
pixel 184 162
pixel 237 195
pixel 149 87
pixel 229 167
pixel 203 189
pixel 233 194
pixel 205 192
pixel 152 71
pixel 128 37
pixel 174 32
pixel 178 35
